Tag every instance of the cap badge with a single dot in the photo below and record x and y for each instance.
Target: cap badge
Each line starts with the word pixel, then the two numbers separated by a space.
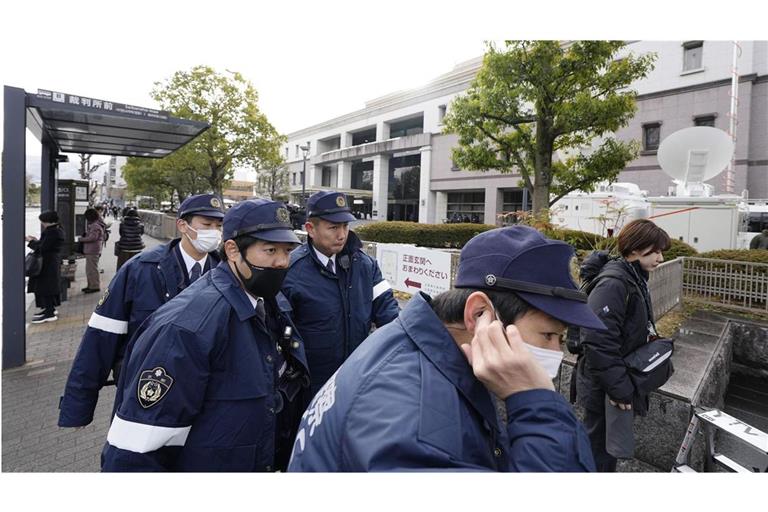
pixel 340 201
pixel 215 202
pixel 490 280
pixel 282 215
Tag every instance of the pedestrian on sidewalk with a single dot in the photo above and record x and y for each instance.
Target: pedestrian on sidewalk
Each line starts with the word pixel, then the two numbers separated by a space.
pixel 93 241
pixel 139 287
pixel 130 243
pixel 47 285
pixel 214 375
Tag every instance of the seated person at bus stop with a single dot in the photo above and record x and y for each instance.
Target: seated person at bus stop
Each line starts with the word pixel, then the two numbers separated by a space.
pixel 462 381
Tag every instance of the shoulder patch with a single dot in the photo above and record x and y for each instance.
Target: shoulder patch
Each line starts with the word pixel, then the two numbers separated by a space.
pixel 103 298
pixel 153 385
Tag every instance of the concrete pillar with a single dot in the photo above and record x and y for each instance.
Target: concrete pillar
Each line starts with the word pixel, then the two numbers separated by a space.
pixel 426 197
pixel 380 186
pixel 344 175
pixel 345 140
pixel 491 205
pixel 314 174
pixel 382 131
pixel 441 207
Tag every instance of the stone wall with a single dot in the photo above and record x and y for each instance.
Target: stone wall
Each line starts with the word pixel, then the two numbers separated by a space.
pixel 159 225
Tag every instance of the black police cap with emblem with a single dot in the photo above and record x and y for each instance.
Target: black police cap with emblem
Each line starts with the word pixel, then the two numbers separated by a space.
pixel 331 206
pixel 519 259
pixel 207 205
pixel 259 218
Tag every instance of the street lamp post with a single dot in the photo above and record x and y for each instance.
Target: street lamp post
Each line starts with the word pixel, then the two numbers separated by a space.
pixel 305 151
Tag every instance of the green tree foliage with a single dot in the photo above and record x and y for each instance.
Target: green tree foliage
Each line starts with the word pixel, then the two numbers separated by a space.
pixel 272 182
pixel 240 133
pixel 532 99
pixel 184 172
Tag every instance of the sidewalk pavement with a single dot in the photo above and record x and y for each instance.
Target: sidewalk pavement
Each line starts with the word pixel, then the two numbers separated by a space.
pixel 31 440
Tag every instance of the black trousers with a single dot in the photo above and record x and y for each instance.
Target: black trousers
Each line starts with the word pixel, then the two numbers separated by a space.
pixel 47 302
pixel 594 423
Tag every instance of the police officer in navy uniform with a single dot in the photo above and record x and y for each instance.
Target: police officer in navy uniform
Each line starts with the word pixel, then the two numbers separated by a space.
pixel 336 289
pixel 462 381
pixel 143 284
pixel 214 372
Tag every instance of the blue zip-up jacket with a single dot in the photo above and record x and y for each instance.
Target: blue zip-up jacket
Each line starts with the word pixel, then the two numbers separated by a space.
pixel 407 400
pixel 334 312
pixel 143 284
pixel 202 387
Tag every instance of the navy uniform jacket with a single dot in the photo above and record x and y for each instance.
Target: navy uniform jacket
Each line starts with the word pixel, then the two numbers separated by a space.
pixel 143 284
pixel 200 390
pixel 407 399
pixel 334 312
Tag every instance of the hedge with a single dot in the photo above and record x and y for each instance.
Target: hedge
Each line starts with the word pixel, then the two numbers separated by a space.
pixel 580 240
pixel 446 236
pixel 676 250
pixel 748 255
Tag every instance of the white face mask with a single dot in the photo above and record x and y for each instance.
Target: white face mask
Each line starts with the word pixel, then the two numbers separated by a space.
pixel 207 239
pixel 549 359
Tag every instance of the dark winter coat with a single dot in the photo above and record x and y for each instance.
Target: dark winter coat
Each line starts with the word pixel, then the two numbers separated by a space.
pixel 131 230
pixel 617 299
pixel 334 312
pixel 407 400
pixel 49 246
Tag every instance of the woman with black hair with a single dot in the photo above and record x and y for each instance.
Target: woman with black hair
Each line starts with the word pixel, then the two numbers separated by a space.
pixel 46 285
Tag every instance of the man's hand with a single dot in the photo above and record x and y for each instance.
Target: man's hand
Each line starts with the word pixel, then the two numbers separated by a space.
pixel 504 367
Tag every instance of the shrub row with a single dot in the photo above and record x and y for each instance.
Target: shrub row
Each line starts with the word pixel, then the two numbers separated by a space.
pixel 447 236
pixel 749 255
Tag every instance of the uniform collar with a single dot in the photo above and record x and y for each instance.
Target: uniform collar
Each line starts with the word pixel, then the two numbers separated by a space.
pixel 428 333
pixel 229 286
pixel 189 261
pixel 323 258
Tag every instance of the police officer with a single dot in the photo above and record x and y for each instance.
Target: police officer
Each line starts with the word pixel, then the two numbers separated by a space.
pixel 141 285
pixel 336 290
pixel 212 372
pixel 447 386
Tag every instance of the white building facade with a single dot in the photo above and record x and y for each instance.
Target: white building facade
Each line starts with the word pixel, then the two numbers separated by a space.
pixel 394 160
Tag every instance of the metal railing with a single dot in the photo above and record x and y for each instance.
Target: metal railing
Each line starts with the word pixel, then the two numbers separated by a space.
pixel 666 287
pixel 733 284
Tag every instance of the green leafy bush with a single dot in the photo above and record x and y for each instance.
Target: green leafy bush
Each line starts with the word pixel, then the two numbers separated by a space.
pixel 749 255
pixel 580 240
pixel 676 250
pixel 449 236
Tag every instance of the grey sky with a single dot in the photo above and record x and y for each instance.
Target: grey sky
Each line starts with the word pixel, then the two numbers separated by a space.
pixel 309 60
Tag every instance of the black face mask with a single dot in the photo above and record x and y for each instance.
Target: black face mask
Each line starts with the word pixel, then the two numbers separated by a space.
pixel 265 282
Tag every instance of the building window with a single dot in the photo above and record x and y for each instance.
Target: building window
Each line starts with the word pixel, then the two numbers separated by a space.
pixel 454 167
pixel 297 151
pixel 326 177
pixel 441 109
pixel 293 178
pixel 286 152
pixel 692 51
pixel 704 121
pixel 651 136
pixel 466 207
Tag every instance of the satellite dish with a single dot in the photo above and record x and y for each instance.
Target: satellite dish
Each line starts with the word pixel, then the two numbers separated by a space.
pixel 695 154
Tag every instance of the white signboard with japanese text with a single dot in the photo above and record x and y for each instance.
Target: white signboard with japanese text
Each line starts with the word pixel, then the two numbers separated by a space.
pixel 413 269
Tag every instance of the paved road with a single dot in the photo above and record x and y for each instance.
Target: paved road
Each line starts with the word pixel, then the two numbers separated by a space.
pixel 31 441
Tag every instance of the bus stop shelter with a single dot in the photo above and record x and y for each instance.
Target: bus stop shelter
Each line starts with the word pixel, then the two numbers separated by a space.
pixel 65 123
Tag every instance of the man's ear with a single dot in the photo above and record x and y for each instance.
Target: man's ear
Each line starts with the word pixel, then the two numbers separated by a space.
pixel 231 250
pixel 181 226
pixel 478 305
pixel 309 228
